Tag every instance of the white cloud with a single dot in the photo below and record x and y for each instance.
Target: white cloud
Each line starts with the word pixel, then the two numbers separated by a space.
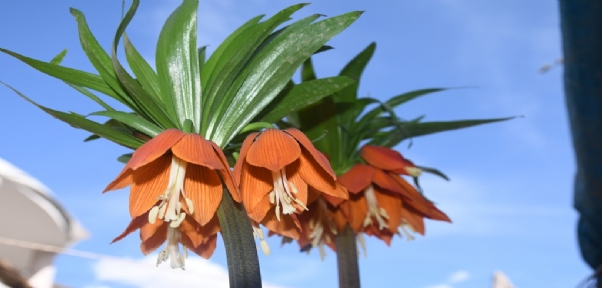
pixel 144 273
pixel 455 278
pixel 459 276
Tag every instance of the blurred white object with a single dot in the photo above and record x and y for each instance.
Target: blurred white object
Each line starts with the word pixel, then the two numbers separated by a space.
pixel 500 280
pixel 28 213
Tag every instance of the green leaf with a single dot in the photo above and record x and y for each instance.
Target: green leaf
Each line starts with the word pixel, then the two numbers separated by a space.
pixel 143 71
pixel 405 97
pixel 79 121
pixel 91 95
pixel 433 171
pixel 307 71
pixel 99 57
pixel 125 158
pixel 59 57
pixel 232 62
pixel 73 76
pixel 133 121
pixel 202 54
pixel 302 95
pixel 417 129
pixel 272 68
pixel 178 65
pixel 354 70
pixel 149 107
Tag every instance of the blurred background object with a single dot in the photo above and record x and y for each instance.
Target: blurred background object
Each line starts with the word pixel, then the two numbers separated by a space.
pixel 32 225
pixel 500 280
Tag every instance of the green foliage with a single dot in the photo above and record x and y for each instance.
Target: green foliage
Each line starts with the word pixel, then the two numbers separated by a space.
pixel 246 79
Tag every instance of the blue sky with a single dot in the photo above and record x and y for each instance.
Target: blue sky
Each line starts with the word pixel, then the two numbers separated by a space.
pixel 511 183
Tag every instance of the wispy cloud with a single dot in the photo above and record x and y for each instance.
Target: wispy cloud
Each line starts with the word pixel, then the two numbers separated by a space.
pixel 143 273
pixel 455 278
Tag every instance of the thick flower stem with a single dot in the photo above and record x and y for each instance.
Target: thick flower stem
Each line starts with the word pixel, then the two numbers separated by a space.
pixel 241 251
pixel 349 272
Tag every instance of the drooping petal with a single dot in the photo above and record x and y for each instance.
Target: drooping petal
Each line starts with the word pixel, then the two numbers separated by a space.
pixel 437 214
pixel 190 229
pixel 243 154
pixel 385 181
pixel 392 205
pixel 134 225
pixel 155 147
pixel 148 229
pixel 292 174
pixel 193 148
pixel 314 176
pixel 226 173
pixel 338 217
pixel 204 188
pixel 357 178
pixel 256 183
pixel 123 180
pixel 413 219
pixel 155 241
pixel 150 182
pixel 307 145
pixel 260 210
pixel 204 250
pixel 287 226
pixel 382 157
pixel 273 150
pixel 358 208
pixel 334 201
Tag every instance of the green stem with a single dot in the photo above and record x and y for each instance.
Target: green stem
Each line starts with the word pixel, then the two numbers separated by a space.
pixel 241 251
pixel 349 271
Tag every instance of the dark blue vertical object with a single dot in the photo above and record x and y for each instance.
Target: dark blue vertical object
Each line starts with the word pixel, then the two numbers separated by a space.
pixel 581 22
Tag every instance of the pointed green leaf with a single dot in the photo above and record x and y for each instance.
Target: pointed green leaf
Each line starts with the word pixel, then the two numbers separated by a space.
pixel 202 55
pixel 125 158
pixel 149 107
pixel 59 57
pixel 302 95
pixel 79 121
pixel 132 120
pixel 405 97
pixel 73 76
pixel 433 171
pixel 354 69
pixel 143 71
pixel 178 65
pixel 307 71
pixel 233 60
pixel 99 57
pixel 272 68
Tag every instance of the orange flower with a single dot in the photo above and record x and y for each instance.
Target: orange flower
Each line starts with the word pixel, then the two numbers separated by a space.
pixel 175 179
pixel 389 160
pixel 319 223
pixel 274 169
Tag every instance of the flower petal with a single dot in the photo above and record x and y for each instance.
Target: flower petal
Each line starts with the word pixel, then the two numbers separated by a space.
pixel 243 154
pixel 256 183
pixel 204 188
pixel 190 228
pixel 385 181
pixel 436 214
pixel 293 176
pixel 261 209
pixel 226 174
pixel 150 182
pixel 123 180
pixel 393 205
pixel 287 226
pixel 358 178
pixel 273 149
pixel 316 177
pixel 193 148
pixel 336 201
pixel 148 229
pixel 413 219
pixel 155 241
pixel 382 157
pixel 204 250
pixel 358 208
pixel 317 155
pixel 155 147
pixel 134 225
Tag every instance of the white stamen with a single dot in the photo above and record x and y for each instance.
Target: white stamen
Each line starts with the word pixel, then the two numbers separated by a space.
pixel 360 238
pixel 257 232
pixel 178 221
pixel 283 194
pixel 170 207
pixel 374 210
pixel 406 232
pixel 152 215
pixel 172 250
